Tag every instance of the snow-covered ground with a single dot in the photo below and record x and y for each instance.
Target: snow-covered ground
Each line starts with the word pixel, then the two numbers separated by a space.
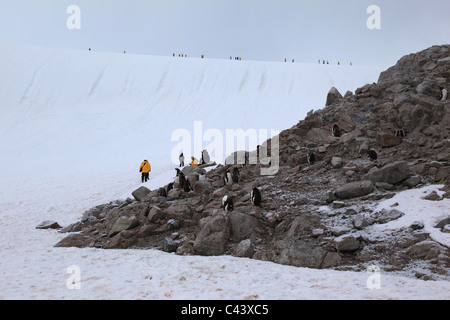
pixel 74 127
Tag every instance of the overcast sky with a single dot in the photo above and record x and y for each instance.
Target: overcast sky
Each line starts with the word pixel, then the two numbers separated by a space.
pixel 252 29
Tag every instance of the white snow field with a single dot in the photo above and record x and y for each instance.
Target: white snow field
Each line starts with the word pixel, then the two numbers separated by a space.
pixel 74 128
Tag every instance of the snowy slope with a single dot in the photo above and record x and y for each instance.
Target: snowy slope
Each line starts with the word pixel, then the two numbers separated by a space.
pixel 74 127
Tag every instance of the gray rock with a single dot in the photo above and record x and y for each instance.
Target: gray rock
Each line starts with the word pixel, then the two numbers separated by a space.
pixel 155 214
pixel 174 224
pixel 412 182
pixel 443 222
pixel 317 232
pixel 213 237
pixel 446 229
pixel 355 189
pixel 417 225
pixel 169 245
pixel 332 259
pixel 123 223
pixel 339 230
pixel 359 222
pixel 140 193
pixel 346 243
pixel 387 216
pixel 202 186
pixel 333 96
pixel 48 224
pixel 392 173
pixel 244 249
pixel 242 225
pixel 388 140
pixel 384 185
pixel 336 162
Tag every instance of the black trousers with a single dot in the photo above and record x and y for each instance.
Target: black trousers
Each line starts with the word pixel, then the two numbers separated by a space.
pixel 145 176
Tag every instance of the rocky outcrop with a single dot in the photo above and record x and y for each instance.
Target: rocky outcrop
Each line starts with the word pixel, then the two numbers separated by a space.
pixel 317 215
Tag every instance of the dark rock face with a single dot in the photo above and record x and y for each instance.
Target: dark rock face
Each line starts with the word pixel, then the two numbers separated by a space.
pixel 320 214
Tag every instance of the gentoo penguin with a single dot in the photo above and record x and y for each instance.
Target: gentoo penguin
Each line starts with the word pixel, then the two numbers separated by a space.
pixel 227 203
pixel 336 132
pixel 162 192
pixel 169 187
pixel 311 157
pixel 255 196
pixel 181 179
pixel 400 133
pixel 372 154
pixel 227 177
pixel 187 186
pixel 181 158
pixel 236 176
pixel 443 94
pixel 178 171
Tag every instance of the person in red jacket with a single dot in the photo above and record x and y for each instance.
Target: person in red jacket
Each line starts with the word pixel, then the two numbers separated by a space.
pixel 145 168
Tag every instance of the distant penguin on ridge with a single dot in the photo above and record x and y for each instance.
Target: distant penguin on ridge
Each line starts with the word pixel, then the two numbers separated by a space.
pixel 255 196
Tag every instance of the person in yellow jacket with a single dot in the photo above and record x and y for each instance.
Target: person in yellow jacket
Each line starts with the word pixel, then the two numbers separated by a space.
pixel 194 162
pixel 145 168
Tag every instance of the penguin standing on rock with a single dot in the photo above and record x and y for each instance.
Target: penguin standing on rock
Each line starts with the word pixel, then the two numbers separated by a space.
pixel 255 196
pixel 181 179
pixel 236 176
pixel 227 177
pixel 227 203
pixel 336 132
pixel 311 157
pixel 187 186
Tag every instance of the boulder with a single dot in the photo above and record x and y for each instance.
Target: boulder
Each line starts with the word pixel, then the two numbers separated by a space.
pixel 242 225
pixel 392 173
pixel 123 223
pixel 333 96
pixel 355 189
pixel 244 249
pixel 442 222
pixel 433 196
pixel 359 222
pixel 169 245
pixel 48 224
pixel 75 240
pixel 346 243
pixel 202 186
pixel 336 162
pixel 388 140
pixel 140 193
pixel 213 237
pixel 385 216
pixel 155 214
